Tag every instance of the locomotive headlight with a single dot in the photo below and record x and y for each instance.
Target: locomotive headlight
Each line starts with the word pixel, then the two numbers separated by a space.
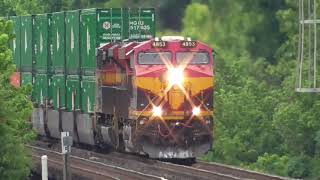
pixel 157 111
pixel 143 121
pixel 196 111
pixel 175 76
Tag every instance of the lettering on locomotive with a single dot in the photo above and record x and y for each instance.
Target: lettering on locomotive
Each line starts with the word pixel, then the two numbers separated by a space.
pixel 159 44
pixel 188 44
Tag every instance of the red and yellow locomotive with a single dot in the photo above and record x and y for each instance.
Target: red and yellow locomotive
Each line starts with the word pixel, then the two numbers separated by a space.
pixel 156 97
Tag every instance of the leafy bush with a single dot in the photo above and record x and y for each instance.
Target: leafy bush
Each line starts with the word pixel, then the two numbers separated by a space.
pixel 15 110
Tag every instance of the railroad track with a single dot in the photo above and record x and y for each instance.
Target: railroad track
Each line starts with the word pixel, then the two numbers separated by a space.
pixel 235 171
pixel 204 170
pixel 159 169
pixel 165 169
pixel 88 168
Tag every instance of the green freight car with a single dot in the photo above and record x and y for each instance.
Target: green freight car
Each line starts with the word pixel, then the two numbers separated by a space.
pixel 57 42
pixel 15 44
pixel 141 24
pixel 58 88
pixel 41 39
pixel 72 46
pixel 42 91
pixel 99 26
pixel 66 42
pixel 56 53
pixel 88 93
pixel 26 43
pixel 26 78
pixel 73 92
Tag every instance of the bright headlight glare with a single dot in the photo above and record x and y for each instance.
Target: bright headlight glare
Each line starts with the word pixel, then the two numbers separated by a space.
pixel 157 111
pixel 196 111
pixel 176 76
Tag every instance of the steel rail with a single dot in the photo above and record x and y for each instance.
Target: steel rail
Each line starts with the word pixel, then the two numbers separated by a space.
pixel 199 170
pixel 160 167
pixel 80 170
pixel 98 169
pixel 235 171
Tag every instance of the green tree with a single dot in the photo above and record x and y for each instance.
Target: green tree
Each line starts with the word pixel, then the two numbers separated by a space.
pixel 272 164
pixel 20 7
pixel 15 109
pixel 260 122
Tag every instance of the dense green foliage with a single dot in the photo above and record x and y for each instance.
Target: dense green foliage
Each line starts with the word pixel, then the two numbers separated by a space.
pixel 15 106
pixel 20 7
pixel 15 109
pixel 260 122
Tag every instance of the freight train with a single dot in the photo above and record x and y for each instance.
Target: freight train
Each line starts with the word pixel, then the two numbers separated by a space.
pixel 103 76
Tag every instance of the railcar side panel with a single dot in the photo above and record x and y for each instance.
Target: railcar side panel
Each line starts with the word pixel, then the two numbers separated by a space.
pixel 27 43
pixel 15 44
pixel 42 62
pixel 57 46
pixel 72 46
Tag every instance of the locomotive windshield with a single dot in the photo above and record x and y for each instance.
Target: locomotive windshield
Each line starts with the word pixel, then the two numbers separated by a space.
pixel 149 58
pixel 193 58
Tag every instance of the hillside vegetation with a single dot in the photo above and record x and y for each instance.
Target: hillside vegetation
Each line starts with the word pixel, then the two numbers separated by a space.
pixel 261 123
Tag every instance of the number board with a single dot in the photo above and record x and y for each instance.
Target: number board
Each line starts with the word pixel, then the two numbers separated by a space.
pixel 159 44
pixel 189 44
